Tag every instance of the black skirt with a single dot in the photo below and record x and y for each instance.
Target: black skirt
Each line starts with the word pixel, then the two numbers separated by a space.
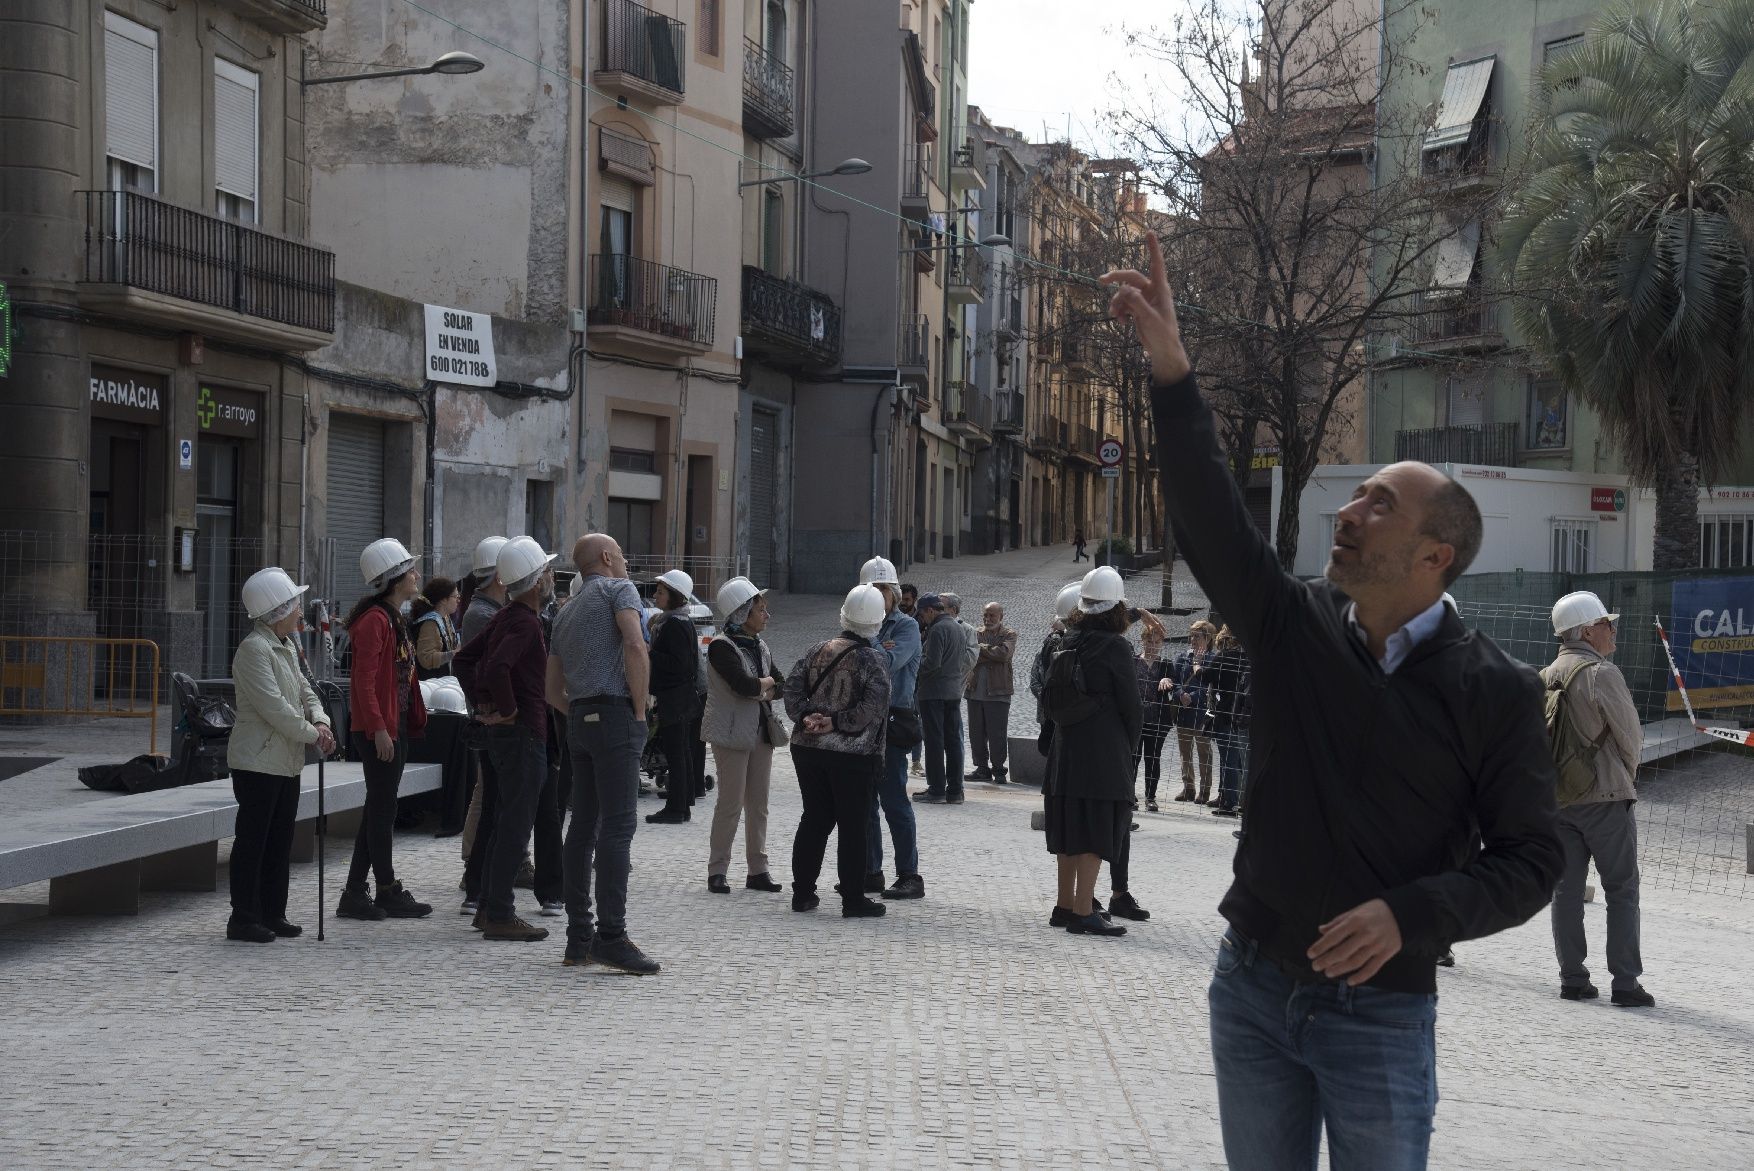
pixel 1087 825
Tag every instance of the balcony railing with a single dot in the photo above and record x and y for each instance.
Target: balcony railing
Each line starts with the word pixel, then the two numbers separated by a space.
pixel 767 93
pixel 1457 321
pixel 913 345
pixel 1007 414
pixel 139 242
pixel 1492 444
pixel 647 49
pixel 967 273
pixel 916 172
pixel 653 298
pixel 790 315
pixel 966 408
pixel 969 163
pixel 284 16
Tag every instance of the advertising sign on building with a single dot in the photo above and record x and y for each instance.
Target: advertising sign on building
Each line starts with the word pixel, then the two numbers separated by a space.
pixel 221 410
pixel 1607 500
pixel 1713 638
pixel 459 347
pixel 127 395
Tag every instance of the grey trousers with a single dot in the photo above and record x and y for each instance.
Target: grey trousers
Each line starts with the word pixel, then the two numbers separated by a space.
pixel 988 727
pixel 606 743
pixel 1607 832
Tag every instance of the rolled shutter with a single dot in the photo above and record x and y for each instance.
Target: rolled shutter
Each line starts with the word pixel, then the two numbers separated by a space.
pixel 618 193
pixel 130 92
pixel 355 507
pixel 236 136
pixel 625 156
pixel 764 486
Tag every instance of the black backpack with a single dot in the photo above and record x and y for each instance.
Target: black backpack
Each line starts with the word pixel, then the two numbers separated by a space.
pixel 1064 698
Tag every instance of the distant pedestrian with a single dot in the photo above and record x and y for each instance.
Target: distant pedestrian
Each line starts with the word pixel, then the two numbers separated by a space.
pixel 989 690
pixel 436 639
pixel 743 731
pixel 910 596
pixel 1187 706
pixel 899 640
pixel 1091 698
pixel 675 667
pixel 838 698
pixel 599 673
pixel 278 714
pixel 1596 796
pixel 385 710
pixel 1154 674
pixel 1226 692
pixel 1078 552
pixel 504 671
pixel 939 693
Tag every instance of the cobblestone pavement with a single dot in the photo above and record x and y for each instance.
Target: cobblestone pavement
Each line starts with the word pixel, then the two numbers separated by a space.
pixel 957 1031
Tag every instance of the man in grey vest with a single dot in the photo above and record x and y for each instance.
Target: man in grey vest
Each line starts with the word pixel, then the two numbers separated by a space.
pixel 1598 825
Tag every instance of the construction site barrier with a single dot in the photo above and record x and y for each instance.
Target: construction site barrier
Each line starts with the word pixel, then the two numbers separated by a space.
pixel 74 677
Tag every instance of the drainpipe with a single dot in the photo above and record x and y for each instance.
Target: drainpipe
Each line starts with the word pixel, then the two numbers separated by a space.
pixel 430 391
pixel 887 392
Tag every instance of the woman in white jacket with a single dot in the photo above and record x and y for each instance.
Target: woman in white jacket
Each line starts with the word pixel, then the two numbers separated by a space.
pixel 277 715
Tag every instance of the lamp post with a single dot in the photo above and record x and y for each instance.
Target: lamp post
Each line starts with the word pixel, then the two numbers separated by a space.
pixel 844 167
pixel 452 64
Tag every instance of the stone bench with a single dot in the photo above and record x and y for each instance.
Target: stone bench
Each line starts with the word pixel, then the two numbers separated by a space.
pixel 98 856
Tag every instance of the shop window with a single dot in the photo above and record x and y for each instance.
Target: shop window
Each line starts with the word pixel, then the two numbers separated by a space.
pixel 1726 541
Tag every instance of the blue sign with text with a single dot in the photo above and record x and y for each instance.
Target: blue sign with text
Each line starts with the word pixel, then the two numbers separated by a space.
pixel 1713 639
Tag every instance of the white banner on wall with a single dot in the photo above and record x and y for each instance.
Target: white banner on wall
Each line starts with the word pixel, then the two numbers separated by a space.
pixel 459 347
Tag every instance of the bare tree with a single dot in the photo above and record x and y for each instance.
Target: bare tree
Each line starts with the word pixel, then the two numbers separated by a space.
pixel 1294 244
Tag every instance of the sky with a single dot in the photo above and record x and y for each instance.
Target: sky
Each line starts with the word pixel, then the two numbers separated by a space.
pixel 1043 61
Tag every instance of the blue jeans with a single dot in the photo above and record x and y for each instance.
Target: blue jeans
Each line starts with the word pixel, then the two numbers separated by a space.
pixel 942 721
pixel 520 762
pixel 1293 1057
pixel 606 742
pixel 892 795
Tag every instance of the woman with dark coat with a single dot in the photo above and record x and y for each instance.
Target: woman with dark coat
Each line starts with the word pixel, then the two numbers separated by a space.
pixel 1227 705
pixel 1097 723
pixel 1154 673
pixel 675 667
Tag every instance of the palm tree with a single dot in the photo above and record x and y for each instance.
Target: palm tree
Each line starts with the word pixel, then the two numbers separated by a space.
pixel 1629 242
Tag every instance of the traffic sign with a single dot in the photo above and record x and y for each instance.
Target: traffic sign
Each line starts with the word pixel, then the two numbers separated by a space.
pixel 1111 473
pixel 1110 452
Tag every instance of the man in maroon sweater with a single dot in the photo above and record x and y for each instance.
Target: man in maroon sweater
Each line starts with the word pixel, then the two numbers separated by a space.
pixel 504 671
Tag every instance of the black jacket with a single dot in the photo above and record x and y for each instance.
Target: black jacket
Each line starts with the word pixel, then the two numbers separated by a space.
pixel 675 666
pixel 1226 693
pixel 1362 785
pixel 1093 758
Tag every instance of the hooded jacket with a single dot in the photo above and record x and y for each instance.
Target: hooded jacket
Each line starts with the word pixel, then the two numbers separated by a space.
pixel 1601 708
pixel 1362 785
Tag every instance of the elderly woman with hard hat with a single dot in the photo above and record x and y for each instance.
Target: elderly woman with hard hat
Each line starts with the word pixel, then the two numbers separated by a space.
pixel 741 729
pixel 277 715
pixel 385 709
pixel 675 661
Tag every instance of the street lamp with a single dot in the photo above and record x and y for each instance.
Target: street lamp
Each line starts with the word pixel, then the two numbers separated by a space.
pixel 844 167
pixel 453 63
pixel 993 241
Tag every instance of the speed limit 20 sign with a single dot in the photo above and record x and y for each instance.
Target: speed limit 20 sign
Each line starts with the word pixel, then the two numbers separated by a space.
pixel 1110 452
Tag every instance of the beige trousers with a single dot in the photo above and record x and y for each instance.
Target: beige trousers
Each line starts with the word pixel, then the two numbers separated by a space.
pixel 743 775
pixel 1189 742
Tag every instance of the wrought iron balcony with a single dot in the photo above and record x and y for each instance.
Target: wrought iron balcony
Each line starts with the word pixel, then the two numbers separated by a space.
pixel 913 347
pixel 796 320
pixel 1008 414
pixel 1492 444
pixel 1465 322
pixel 768 90
pixel 1081 443
pixel 966 276
pixel 669 306
pixel 916 173
pixel 284 16
pixel 967 411
pixel 968 166
pixel 194 271
pixel 643 52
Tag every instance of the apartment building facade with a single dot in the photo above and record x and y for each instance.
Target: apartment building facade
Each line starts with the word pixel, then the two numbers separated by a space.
pixel 155 242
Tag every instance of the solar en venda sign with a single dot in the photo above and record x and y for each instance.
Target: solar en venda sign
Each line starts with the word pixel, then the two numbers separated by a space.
pixel 459 347
pixel 1713 637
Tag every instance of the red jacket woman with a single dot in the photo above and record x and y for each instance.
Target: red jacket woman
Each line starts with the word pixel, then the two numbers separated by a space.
pixel 383 663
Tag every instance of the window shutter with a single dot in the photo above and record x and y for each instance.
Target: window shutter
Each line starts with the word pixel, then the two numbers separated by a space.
pixel 130 92
pixel 618 193
pixel 626 156
pixel 235 136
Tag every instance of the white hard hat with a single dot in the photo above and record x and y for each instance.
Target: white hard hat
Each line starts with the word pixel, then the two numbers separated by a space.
pixel 383 561
pixel 1579 609
pixel 1067 601
pixel 863 611
pixel 487 556
pixel 444 694
pixel 520 561
pixel 1101 589
pixel 734 595
pixel 680 582
pixel 268 590
pixel 878 571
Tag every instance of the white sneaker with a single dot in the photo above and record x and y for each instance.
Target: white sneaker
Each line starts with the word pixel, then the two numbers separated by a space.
pixel 554 910
pixel 469 907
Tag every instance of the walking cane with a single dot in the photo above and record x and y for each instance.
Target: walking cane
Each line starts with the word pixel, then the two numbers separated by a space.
pixel 321 829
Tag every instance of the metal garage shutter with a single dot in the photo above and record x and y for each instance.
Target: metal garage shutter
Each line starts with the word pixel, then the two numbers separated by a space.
pixel 356 496
pixel 764 455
